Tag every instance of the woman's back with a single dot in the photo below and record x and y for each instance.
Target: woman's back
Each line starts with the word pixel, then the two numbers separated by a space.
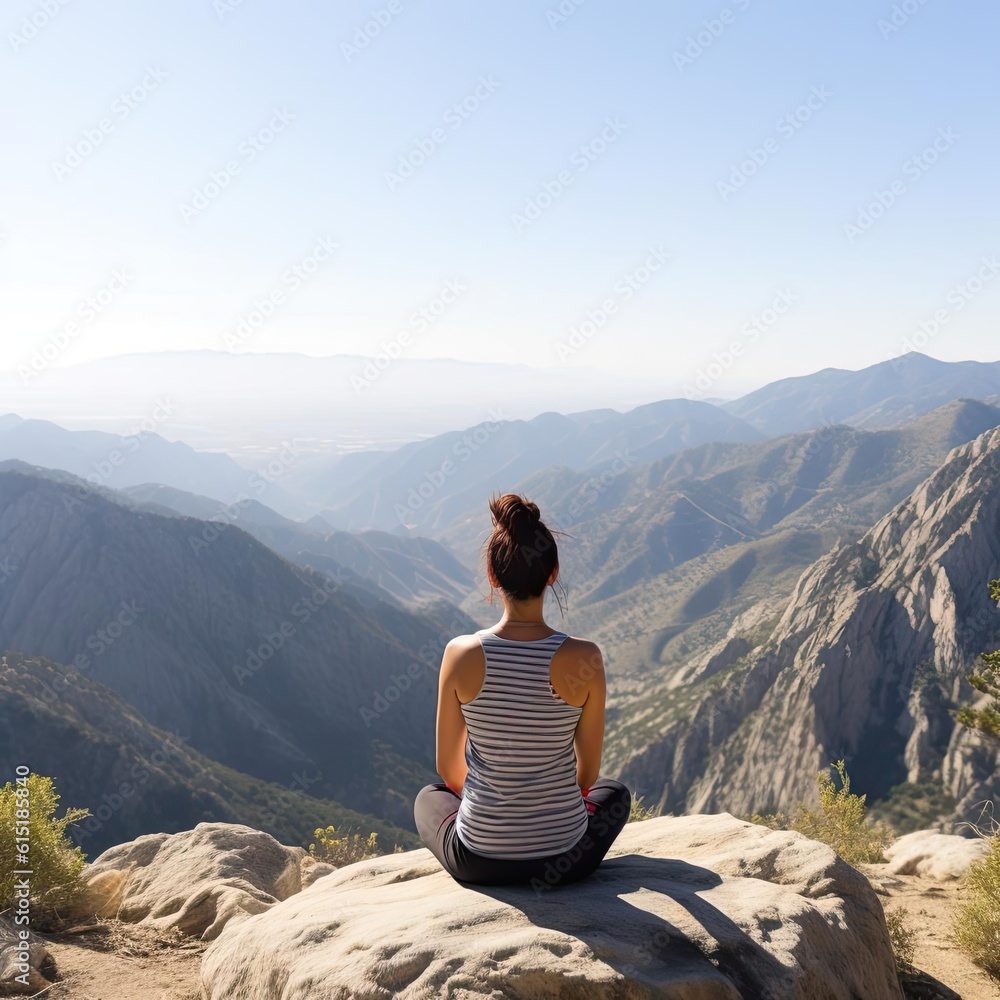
pixel 521 797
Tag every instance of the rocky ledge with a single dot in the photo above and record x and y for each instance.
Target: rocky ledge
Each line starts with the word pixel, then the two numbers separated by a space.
pixel 699 907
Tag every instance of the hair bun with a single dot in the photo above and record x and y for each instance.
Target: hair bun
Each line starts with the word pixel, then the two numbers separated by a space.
pixel 514 513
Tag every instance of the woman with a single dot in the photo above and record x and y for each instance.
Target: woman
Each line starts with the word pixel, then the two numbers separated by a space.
pixel 520 728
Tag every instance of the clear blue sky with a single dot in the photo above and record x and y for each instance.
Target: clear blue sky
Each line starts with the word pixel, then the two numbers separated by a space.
pixel 228 66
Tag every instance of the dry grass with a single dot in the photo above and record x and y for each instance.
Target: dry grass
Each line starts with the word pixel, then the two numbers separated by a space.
pixel 977 926
pixel 840 820
pixel 903 937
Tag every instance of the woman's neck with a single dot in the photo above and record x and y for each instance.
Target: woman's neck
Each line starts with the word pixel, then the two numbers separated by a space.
pixel 525 613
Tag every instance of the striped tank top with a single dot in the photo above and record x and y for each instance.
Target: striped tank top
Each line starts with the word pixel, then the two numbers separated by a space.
pixel 521 798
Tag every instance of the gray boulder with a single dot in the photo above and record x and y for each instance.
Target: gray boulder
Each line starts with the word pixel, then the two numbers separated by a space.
pixel 704 907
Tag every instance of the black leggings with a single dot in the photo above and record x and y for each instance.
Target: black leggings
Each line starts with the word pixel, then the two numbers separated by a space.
pixel 434 812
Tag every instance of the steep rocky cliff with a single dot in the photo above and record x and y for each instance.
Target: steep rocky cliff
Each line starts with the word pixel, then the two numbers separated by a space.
pixel 866 663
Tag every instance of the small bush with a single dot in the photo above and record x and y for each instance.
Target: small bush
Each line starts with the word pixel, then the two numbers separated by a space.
pixel 639 812
pixel 55 885
pixel 903 938
pixel 345 850
pixel 977 927
pixel 839 821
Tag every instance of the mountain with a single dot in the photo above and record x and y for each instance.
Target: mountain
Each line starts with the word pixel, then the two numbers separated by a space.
pixel 427 485
pixel 865 662
pixel 246 403
pixel 266 665
pixel 136 779
pixel 880 395
pixel 658 558
pixel 413 570
pixel 141 455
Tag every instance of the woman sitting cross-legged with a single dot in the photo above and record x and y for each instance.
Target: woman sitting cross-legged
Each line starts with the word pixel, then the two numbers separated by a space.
pixel 520 728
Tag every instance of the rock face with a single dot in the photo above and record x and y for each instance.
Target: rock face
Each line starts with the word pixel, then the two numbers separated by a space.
pixel 699 907
pixel 938 856
pixel 18 976
pixel 196 881
pixel 865 663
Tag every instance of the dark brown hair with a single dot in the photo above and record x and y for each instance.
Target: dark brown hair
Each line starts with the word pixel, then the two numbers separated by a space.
pixel 521 552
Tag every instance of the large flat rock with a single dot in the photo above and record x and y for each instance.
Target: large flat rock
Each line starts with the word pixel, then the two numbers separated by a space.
pixel 701 907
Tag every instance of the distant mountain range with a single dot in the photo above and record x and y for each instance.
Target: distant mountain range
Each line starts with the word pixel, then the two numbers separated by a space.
pixel 882 395
pixel 137 457
pixel 428 484
pixel 412 570
pixel 248 403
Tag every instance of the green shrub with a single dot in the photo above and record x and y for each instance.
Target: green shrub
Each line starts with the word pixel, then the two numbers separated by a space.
pixel 977 927
pixel 639 812
pixel 987 681
pixel 55 884
pixel 344 850
pixel 840 820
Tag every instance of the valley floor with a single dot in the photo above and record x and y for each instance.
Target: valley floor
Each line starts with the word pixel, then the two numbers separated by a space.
pixel 117 961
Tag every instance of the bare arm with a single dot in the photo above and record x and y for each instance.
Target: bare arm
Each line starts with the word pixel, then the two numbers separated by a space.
pixel 589 738
pixel 451 731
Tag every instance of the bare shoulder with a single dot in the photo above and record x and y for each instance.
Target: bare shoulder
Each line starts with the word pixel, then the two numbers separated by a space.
pixel 463 643
pixel 463 666
pixel 585 648
pixel 579 656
